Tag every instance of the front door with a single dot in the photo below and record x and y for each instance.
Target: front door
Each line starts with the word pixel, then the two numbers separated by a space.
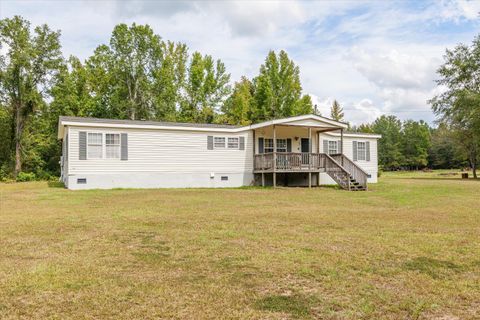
pixel 305 146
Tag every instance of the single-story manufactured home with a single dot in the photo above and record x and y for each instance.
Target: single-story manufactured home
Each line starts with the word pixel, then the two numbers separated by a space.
pixel 307 150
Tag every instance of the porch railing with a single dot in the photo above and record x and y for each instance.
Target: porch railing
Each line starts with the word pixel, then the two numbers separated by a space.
pixel 289 161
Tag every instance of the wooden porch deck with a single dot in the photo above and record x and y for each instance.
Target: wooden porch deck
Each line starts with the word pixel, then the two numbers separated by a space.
pixel 339 167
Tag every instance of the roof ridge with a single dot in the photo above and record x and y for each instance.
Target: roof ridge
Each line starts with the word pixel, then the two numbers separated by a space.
pixel 145 122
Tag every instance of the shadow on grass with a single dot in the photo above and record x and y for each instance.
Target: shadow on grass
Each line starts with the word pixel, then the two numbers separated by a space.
pixel 432 267
pixel 296 305
pixel 55 184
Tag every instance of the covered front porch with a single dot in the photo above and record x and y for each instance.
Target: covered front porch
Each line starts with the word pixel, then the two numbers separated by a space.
pixel 292 150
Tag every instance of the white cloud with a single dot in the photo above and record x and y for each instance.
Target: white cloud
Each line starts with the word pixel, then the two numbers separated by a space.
pixel 373 57
pixel 395 69
pixel 457 10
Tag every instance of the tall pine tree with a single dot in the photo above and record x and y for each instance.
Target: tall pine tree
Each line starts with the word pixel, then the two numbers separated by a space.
pixel 336 112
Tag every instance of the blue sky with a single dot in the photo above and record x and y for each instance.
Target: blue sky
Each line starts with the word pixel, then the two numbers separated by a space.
pixel 375 58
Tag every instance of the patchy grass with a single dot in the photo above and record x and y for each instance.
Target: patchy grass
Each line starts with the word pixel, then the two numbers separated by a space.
pixel 407 249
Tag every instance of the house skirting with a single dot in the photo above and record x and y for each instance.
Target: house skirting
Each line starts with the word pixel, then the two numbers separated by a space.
pixel 158 180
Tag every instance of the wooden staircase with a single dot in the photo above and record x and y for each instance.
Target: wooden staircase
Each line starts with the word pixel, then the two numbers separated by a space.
pixel 346 173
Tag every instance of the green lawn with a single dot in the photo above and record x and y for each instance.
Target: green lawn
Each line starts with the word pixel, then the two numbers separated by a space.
pixel 407 249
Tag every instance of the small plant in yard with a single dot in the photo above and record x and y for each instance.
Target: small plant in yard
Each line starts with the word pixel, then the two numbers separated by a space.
pixel 26 176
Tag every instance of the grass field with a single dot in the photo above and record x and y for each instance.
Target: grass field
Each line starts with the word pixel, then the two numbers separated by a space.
pixel 407 249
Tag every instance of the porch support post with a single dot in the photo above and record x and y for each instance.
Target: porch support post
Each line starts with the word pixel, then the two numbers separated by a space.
pixel 254 153
pixel 263 179
pixel 341 144
pixel 309 157
pixel 341 141
pixel 274 156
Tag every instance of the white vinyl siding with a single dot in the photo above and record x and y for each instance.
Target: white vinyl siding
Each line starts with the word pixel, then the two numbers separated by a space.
pixel 162 151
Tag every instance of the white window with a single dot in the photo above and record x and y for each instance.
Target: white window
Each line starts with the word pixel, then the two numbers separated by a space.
pixel 361 151
pixel 268 145
pixel 233 143
pixel 281 145
pixel 112 146
pixel 219 142
pixel 95 146
pixel 332 147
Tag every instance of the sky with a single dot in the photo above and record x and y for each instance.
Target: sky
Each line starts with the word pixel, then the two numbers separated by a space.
pixel 374 57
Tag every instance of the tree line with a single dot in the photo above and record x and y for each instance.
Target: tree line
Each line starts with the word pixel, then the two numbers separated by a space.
pixel 139 75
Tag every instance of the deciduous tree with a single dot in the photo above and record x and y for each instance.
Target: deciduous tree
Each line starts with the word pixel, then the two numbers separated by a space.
pixel 30 62
pixel 278 92
pixel 389 146
pixel 459 104
pixel 207 87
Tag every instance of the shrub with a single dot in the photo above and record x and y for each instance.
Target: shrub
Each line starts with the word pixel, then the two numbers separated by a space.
pixel 26 176
pixel 3 174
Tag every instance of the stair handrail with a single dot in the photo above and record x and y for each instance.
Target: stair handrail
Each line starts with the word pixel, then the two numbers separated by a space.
pixel 350 160
pixel 362 178
pixel 327 156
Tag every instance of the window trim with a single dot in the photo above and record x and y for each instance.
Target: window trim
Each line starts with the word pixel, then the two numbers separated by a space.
pixel 271 139
pixel 101 145
pixel 228 143
pixel 226 138
pixel 119 145
pixel 364 151
pixel 104 145
pixel 224 142
pixel 330 149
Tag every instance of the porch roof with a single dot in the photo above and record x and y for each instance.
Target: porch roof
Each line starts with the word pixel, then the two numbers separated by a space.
pixel 308 120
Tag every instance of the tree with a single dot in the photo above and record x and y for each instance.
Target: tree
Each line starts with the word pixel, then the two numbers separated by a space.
pixel 5 138
pixel 364 127
pixel 278 92
pixel 134 56
pixel 206 88
pixel 415 143
pixel 29 65
pixel 336 112
pixel 444 151
pixel 239 107
pixel 459 105
pixel 389 146
pixel 169 79
pixel 72 95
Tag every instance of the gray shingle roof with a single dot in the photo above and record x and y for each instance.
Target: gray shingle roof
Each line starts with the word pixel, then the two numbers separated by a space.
pixel 150 123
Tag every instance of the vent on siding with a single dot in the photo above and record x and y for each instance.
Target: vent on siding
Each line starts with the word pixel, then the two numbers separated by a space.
pixel 82 181
pixel 369 175
pixel 224 178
